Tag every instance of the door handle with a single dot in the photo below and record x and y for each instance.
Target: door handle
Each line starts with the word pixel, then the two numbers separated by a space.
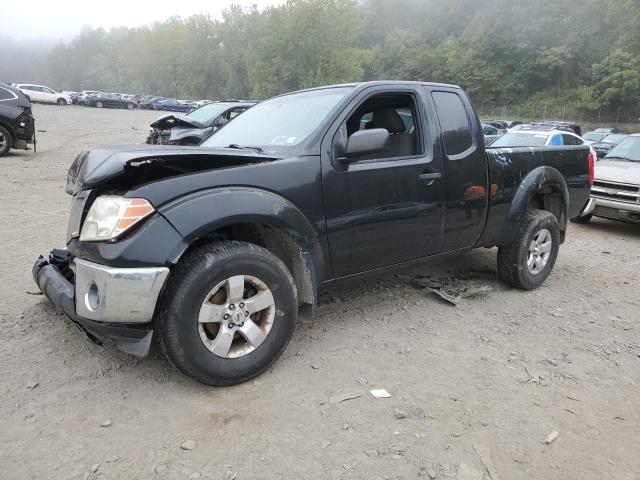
pixel 429 178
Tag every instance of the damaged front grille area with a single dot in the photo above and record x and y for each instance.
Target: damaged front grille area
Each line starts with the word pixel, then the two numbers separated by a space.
pixel 616 191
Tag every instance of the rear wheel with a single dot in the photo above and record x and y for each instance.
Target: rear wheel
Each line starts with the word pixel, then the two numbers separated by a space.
pixel 5 141
pixel 61 101
pixel 528 260
pixel 130 106
pixel 99 104
pixel 227 313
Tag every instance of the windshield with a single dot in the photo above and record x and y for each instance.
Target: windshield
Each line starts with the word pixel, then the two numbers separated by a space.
pixel 280 122
pixel 614 138
pixel 594 137
pixel 520 140
pixel 207 113
pixel 628 149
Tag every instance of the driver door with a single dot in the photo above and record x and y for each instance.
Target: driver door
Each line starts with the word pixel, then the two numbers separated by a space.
pixel 385 208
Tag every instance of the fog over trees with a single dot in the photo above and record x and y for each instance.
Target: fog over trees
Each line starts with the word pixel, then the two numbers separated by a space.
pixel 581 56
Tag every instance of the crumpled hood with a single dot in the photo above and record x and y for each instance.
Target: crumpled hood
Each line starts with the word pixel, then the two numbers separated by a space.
pixel 618 171
pixel 175 120
pixel 100 165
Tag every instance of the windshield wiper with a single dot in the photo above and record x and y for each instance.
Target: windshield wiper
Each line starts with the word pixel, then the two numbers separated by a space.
pixel 244 147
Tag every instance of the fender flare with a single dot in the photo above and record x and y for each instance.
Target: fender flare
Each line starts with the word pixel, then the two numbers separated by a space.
pixel 536 180
pixel 199 214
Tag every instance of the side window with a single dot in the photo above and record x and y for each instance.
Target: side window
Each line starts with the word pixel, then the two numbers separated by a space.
pixel 456 129
pixel 571 140
pixel 556 140
pixel 6 94
pixel 397 114
pixel 489 130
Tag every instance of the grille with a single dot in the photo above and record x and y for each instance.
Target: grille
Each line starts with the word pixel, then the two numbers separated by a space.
pixel 616 191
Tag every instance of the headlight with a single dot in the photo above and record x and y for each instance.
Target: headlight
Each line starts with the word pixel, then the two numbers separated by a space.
pixel 109 216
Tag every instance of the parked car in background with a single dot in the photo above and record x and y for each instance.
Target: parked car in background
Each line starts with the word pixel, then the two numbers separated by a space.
pixel 616 187
pixel 43 94
pixel 171 105
pixel 217 249
pixel 566 126
pixel 136 99
pixel 194 127
pixel 491 133
pixel 537 138
pixel 85 94
pixel 149 101
pixel 605 145
pixel 17 126
pixel 108 100
pixel 598 134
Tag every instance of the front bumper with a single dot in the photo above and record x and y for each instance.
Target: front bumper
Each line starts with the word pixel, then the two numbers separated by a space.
pixel 611 209
pixel 115 304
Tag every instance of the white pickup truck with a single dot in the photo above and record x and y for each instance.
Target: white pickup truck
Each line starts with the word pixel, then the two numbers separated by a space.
pixel 616 188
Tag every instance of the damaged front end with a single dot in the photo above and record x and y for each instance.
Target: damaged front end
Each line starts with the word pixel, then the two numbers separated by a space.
pixel 57 279
pixel 109 284
pixel 176 129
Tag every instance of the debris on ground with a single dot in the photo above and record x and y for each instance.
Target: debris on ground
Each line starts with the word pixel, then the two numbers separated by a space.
pixel 161 470
pixel 343 397
pixel 95 467
pixel 326 443
pixel 188 445
pixel 551 437
pixel 449 297
pixel 450 289
pixel 106 423
pixel 465 472
pixel 484 453
pixel 32 384
pixel 399 413
pixel 532 378
pixel 380 393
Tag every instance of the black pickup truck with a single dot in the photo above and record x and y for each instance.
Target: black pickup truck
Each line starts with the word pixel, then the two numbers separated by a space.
pixel 218 248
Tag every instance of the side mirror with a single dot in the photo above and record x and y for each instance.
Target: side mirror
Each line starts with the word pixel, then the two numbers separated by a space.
pixel 365 142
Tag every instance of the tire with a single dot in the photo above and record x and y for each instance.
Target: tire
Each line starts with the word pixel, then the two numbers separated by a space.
pixel 6 141
pixel 582 219
pixel 61 101
pixel 99 104
pixel 513 259
pixel 188 344
pixel 130 106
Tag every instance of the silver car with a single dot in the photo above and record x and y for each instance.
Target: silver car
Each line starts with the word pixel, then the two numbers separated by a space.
pixel 616 188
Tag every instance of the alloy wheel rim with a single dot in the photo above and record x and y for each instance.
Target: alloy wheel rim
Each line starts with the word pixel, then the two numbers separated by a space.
pixel 236 316
pixel 3 141
pixel 539 251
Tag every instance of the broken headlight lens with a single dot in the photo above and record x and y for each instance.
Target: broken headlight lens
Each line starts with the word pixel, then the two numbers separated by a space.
pixel 109 216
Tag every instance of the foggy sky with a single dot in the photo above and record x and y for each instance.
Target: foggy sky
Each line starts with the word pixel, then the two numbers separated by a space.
pixel 62 19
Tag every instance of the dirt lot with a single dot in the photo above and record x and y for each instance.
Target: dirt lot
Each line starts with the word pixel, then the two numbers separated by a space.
pixel 500 371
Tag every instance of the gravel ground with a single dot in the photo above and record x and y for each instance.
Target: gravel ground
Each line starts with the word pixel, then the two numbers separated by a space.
pixel 500 371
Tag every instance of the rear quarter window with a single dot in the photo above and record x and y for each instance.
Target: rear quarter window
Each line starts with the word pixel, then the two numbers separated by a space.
pixel 454 122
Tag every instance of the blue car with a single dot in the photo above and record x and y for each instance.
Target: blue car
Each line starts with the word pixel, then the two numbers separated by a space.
pixel 171 106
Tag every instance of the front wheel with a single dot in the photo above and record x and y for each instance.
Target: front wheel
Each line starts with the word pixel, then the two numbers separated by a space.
pixel 99 104
pixel 61 101
pixel 228 312
pixel 130 106
pixel 528 260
